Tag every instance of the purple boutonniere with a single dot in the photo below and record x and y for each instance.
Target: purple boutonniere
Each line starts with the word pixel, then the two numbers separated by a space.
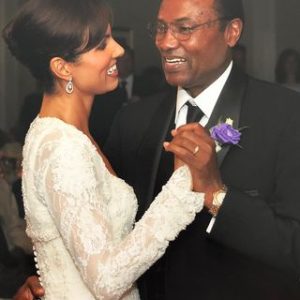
pixel 225 134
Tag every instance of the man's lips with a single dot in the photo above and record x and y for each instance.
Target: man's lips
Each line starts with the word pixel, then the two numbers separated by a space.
pixel 174 60
pixel 173 63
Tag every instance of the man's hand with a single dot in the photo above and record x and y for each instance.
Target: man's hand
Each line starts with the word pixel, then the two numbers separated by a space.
pixel 193 145
pixel 30 290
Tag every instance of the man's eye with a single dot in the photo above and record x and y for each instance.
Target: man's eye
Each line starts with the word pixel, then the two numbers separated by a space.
pixel 185 29
pixel 160 28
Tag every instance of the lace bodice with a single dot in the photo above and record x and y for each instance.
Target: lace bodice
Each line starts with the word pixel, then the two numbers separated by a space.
pixel 80 217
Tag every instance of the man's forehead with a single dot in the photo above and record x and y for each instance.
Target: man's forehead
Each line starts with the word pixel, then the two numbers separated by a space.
pixel 181 10
pixel 208 4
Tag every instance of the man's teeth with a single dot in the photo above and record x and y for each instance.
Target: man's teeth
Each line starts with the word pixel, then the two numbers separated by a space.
pixel 175 60
pixel 112 70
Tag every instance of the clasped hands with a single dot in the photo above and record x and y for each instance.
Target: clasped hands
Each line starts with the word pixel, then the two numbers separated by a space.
pixel 193 145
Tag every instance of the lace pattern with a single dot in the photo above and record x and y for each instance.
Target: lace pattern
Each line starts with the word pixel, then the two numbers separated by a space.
pixel 81 218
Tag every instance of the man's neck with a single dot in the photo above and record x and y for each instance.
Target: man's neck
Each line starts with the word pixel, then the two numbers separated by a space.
pixel 197 90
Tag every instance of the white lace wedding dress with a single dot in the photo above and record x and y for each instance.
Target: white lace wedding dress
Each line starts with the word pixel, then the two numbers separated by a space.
pixel 80 217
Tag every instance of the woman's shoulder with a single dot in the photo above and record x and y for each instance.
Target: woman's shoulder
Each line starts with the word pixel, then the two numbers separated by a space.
pixel 53 130
pixel 52 143
pixel 52 137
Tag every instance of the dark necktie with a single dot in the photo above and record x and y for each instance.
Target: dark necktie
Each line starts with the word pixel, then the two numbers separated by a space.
pixel 194 113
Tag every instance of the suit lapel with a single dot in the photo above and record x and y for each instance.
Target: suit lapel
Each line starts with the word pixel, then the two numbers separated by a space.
pixel 229 105
pixel 150 150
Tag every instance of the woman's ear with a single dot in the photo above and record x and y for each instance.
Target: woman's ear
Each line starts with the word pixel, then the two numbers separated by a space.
pixel 60 68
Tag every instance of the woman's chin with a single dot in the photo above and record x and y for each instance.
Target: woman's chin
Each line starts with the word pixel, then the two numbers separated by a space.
pixel 108 89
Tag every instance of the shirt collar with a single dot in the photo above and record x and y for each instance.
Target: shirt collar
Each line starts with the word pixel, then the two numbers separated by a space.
pixel 207 99
pixel 129 78
pixel 129 84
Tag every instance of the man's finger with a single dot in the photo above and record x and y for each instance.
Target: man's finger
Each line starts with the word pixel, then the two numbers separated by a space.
pixel 35 286
pixel 30 290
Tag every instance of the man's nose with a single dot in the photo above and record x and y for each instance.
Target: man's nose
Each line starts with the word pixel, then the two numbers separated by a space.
pixel 167 41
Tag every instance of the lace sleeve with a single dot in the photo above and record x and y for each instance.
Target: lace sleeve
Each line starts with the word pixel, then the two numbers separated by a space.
pixel 79 207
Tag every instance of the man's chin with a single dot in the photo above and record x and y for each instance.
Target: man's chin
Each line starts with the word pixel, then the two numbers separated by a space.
pixel 175 79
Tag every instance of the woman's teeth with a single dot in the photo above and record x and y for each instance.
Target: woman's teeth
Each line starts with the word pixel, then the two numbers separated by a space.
pixel 112 70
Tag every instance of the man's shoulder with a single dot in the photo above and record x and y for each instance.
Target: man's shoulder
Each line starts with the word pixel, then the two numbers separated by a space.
pixel 147 106
pixel 268 103
pixel 267 96
pixel 277 91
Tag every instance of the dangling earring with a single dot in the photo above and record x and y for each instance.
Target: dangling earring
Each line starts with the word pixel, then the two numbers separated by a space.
pixel 69 86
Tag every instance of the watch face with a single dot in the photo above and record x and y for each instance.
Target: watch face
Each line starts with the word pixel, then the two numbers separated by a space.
pixel 218 198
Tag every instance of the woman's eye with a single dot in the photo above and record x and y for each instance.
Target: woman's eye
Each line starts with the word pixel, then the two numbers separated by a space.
pixel 103 43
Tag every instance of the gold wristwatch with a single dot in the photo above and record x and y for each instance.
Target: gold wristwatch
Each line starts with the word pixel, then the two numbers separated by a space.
pixel 217 201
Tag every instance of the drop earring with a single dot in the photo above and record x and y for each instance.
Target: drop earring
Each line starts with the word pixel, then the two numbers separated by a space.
pixel 69 86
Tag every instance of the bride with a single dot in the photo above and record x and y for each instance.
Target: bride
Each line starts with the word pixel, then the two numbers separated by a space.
pixel 79 215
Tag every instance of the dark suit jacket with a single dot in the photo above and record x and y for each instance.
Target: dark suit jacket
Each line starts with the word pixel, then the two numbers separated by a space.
pixel 253 251
pixel 104 109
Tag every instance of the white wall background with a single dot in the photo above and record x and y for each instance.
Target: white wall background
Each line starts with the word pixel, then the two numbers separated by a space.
pixel 260 37
pixel 271 25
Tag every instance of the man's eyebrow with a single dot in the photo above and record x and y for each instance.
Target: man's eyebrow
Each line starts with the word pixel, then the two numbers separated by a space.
pixel 185 19
pixel 179 20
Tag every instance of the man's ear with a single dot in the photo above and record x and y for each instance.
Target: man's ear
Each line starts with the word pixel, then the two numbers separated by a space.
pixel 60 68
pixel 233 31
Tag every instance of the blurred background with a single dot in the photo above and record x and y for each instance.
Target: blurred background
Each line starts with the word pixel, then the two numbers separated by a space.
pixel 271 26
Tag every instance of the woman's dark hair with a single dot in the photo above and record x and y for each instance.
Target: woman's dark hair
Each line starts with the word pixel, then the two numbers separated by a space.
pixel 280 69
pixel 44 29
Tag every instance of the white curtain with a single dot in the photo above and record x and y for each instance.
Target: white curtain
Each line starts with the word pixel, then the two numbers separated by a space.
pixel 260 37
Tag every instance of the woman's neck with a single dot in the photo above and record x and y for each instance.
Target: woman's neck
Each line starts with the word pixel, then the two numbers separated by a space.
pixel 68 108
pixel 72 110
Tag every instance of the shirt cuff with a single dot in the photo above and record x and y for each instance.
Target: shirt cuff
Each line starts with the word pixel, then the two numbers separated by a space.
pixel 210 225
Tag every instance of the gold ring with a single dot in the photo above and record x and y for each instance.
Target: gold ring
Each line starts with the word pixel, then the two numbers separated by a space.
pixel 196 150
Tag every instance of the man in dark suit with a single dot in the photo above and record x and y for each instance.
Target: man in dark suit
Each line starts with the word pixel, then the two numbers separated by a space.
pixel 253 248
pixel 246 243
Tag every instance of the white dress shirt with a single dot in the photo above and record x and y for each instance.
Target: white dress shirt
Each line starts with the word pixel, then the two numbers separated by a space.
pixel 206 101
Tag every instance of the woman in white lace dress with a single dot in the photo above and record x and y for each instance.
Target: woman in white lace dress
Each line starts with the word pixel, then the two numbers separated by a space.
pixel 79 215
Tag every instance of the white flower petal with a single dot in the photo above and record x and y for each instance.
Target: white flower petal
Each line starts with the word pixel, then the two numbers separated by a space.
pixel 229 121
